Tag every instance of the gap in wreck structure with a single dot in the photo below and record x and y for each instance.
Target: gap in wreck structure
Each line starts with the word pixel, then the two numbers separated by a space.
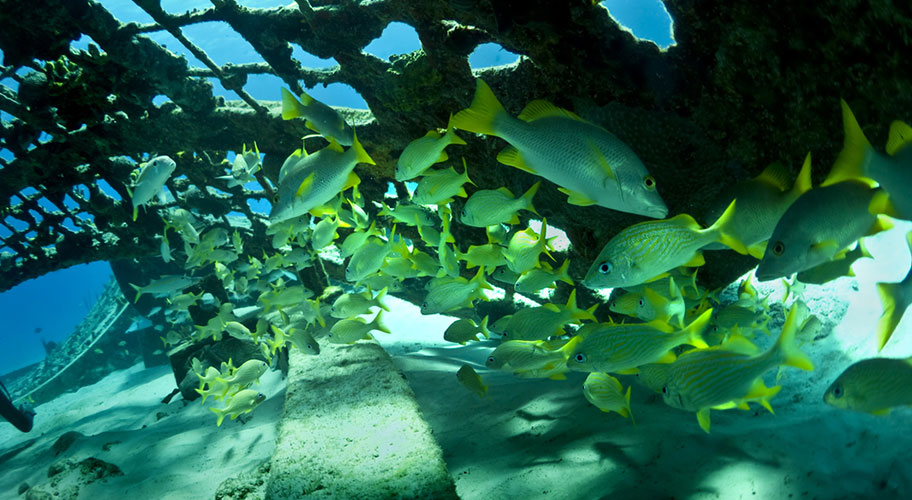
pixel 491 54
pixel 646 19
pixel 397 39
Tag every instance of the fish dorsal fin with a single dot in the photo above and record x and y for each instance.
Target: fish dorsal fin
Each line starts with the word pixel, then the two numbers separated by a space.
pixel 540 108
pixel 306 99
pixel 684 220
pixel 775 175
pixel 849 163
pixel 433 133
pixel 900 137
pixel 505 191
pixel 803 181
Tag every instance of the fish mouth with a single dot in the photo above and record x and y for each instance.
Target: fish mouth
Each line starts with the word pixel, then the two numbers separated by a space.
pixel 764 274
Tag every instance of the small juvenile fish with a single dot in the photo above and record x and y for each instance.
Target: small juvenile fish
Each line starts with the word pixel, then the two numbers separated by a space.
pixel 242 402
pixel 895 299
pixel 318 117
pixel 465 329
pixel 489 207
pixel 150 180
pixel 607 394
pixel 303 340
pixel 407 213
pixel 648 250
pixel 471 381
pixel 539 323
pixel 438 187
pixel 525 355
pixel 249 372
pixel 325 232
pixel 704 379
pixel 616 348
pixel 626 303
pixel 667 307
pixel 488 255
pixel 591 165
pixel 447 294
pixel 423 152
pixel 347 331
pixel 653 376
pixel 243 168
pixel 538 278
pixel 872 385
pixel 349 305
pixel 525 247
pixel 164 285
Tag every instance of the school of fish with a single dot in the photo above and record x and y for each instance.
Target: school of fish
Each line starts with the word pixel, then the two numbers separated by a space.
pixel 680 340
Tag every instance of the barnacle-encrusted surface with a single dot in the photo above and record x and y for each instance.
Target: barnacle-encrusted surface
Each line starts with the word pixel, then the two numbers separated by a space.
pixel 746 84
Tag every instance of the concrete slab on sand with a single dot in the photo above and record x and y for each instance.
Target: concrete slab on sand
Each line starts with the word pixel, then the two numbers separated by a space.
pixel 351 429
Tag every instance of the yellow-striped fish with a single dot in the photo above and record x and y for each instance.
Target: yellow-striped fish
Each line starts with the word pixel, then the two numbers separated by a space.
pixel 647 251
pixel 873 386
pixel 438 187
pixel 895 298
pixel 489 207
pixel 625 303
pixel 539 323
pixel 704 379
pixel 318 117
pixel 653 376
pixel 607 394
pixel 526 355
pixel 447 294
pixel 465 329
pixel 617 348
pixel 524 248
pixel 538 278
pixel 347 331
pixel 662 305
pixel 590 164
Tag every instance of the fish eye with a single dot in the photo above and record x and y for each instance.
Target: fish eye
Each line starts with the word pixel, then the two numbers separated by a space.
pixel 640 302
pixel 649 183
pixel 664 389
pixel 838 392
pixel 778 248
pixel 424 305
pixel 605 267
pixel 490 360
pixel 580 357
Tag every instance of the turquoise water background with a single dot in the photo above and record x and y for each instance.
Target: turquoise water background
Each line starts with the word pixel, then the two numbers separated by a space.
pixel 57 302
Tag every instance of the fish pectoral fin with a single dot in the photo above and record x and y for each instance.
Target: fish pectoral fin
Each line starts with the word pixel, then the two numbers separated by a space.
pixel 881 412
pixel 881 223
pixel 668 357
pixel 512 157
pixel 696 261
pixel 900 137
pixel 443 157
pixel 306 185
pixel 351 181
pixel 657 277
pixel 627 371
pixel 826 247
pixel 703 419
pixel 576 198
pixel 309 124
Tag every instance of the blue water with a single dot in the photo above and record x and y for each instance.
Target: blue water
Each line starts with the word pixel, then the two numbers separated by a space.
pixel 58 301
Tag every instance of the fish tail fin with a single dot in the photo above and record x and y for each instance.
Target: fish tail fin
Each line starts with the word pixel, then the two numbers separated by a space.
pixel 786 346
pixel 480 116
pixel 139 292
pixel 722 229
pixel 900 137
pixel 803 181
pixel 863 249
pixel 360 153
pixel 378 323
pixel 694 330
pixel 483 327
pixel 575 311
pixel 451 137
pixel 563 273
pixel 320 319
pixel 218 411
pixel 629 411
pixel 379 299
pixel 291 107
pixel 894 305
pixel 849 163
pixel 527 197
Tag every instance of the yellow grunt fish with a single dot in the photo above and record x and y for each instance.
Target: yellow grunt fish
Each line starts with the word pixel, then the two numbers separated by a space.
pixel 423 152
pixel 649 250
pixel 607 394
pixel 873 386
pixel 718 378
pixel 591 165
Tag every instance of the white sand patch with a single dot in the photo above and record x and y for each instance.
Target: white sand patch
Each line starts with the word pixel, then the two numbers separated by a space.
pixel 171 451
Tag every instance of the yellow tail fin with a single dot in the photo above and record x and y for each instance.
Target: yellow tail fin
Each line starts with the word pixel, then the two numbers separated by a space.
pixel 722 228
pixel 291 108
pixel 479 117
pixel 893 310
pixel 786 346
